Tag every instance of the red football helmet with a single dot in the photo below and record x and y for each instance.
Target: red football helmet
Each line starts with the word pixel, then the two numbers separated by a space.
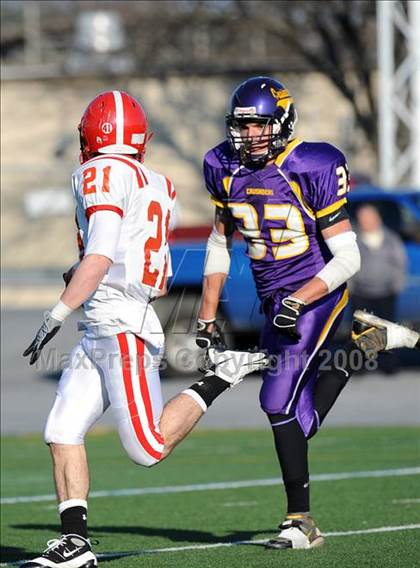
pixel 113 123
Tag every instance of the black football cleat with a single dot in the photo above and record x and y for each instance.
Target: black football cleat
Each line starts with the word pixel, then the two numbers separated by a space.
pixel 68 551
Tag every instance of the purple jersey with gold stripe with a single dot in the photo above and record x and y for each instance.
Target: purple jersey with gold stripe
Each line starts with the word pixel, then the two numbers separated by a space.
pixel 277 208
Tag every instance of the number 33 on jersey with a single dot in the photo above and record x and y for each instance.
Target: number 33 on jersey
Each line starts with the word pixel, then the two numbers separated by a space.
pixel 281 208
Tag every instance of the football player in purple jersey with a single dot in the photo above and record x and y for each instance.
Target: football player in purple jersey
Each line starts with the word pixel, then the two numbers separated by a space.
pixel 287 198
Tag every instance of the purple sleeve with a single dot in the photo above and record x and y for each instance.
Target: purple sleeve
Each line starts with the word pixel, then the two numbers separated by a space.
pixel 213 178
pixel 329 186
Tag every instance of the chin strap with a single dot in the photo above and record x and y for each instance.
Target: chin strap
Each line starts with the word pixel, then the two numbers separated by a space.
pixel 260 160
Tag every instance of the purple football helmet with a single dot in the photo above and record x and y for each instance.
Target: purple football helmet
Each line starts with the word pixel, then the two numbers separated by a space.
pixel 261 100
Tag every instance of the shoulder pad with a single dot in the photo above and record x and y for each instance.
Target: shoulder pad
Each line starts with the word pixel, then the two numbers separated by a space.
pixel 126 166
pixel 221 157
pixel 313 156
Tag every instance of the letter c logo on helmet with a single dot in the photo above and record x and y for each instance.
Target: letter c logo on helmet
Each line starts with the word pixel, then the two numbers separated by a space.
pixel 113 123
pixel 283 97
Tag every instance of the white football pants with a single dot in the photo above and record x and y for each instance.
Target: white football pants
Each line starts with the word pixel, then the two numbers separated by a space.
pixel 120 371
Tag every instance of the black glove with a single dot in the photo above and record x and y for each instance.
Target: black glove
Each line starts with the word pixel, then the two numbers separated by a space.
pixel 206 338
pixel 287 318
pixel 46 332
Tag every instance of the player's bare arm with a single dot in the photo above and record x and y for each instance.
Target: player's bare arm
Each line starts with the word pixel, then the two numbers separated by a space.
pixel 68 275
pixel 104 228
pixel 215 274
pixel 85 280
pixel 214 281
pixel 82 285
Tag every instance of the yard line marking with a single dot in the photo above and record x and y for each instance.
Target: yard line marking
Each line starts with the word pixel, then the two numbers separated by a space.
pixel 220 485
pixel 375 530
pixel 404 501
pixel 111 555
pixel 240 504
pixel 239 542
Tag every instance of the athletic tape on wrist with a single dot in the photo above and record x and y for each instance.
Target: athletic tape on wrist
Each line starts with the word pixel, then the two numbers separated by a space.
pixel 60 311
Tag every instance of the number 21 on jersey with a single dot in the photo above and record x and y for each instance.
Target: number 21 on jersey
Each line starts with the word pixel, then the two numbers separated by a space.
pixel 89 180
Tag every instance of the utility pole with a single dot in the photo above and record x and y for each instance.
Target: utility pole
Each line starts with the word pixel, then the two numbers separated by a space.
pixel 398 23
pixel 32 33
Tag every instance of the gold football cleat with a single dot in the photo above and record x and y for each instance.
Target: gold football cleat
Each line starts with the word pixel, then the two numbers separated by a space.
pixel 297 531
pixel 373 334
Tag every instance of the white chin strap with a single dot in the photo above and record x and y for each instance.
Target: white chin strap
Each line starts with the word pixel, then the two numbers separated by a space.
pixel 276 144
pixel 118 149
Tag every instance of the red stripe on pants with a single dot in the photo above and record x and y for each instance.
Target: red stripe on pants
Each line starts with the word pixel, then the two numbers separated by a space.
pixel 144 389
pixel 131 403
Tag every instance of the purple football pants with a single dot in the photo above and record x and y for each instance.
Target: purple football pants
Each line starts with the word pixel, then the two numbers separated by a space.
pixel 288 384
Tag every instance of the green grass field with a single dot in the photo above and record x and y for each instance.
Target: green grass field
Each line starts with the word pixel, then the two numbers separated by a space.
pixel 203 520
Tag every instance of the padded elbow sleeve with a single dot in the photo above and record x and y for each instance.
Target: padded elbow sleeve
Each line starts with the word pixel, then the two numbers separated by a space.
pixel 345 262
pixel 217 254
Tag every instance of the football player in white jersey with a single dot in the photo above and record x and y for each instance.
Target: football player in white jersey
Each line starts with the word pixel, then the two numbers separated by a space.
pixel 123 211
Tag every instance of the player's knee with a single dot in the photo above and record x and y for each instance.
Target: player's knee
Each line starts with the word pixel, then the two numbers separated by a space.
pixel 59 437
pixel 58 432
pixel 314 430
pixel 143 445
pixel 279 419
pixel 140 455
pixel 144 459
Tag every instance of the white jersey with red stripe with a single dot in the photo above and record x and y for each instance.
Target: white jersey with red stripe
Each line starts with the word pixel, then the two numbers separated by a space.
pixel 143 200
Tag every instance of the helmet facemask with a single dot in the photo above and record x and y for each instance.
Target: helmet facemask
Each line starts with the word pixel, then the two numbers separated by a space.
pixel 84 155
pixel 277 132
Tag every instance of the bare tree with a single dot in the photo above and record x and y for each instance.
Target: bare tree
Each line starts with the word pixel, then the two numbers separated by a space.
pixel 236 37
pixel 335 37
